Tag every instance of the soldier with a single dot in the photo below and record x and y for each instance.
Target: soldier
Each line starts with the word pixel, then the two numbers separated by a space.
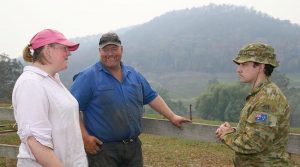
pixel 261 136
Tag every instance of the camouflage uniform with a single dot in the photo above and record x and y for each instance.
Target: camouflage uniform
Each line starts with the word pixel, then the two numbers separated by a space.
pixel 261 136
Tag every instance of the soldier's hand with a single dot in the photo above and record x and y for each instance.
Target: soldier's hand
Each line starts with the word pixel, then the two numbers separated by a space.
pixel 224 128
pixel 218 133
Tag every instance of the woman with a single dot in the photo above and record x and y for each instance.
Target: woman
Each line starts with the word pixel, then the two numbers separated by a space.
pixel 46 113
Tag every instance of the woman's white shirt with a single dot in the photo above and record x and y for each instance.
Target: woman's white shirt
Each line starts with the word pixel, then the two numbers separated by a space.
pixel 46 110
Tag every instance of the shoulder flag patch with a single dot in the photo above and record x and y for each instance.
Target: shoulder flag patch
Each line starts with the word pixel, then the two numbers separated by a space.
pixel 261 117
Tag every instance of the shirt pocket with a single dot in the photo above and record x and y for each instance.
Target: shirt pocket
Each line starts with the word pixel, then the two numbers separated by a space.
pixel 135 92
pixel 105 94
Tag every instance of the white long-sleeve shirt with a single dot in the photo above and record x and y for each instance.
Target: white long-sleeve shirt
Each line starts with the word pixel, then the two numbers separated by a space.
pixel 46 110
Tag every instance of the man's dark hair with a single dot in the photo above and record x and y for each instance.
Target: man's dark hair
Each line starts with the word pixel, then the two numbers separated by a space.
pixel 268 68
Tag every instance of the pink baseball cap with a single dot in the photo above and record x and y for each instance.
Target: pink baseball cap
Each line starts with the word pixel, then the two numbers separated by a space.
pixel 49 36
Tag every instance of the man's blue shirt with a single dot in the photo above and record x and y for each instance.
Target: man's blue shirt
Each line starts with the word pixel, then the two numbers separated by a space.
pixel 112 109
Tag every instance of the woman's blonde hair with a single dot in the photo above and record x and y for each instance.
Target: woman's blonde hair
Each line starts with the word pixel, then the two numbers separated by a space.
pixel 37 55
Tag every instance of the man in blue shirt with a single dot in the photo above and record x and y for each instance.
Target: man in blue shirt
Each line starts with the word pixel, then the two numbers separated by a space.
pixel 111 97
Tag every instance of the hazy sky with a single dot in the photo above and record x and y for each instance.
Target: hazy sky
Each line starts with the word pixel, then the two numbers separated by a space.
pixel 20 20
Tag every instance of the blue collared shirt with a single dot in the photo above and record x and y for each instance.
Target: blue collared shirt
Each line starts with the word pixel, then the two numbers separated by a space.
pixel 112 109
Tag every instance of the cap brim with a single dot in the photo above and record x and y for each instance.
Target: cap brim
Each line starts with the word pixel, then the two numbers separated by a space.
pixel 235 62
pixel 109 43
pixel 71 45
pixel 238 61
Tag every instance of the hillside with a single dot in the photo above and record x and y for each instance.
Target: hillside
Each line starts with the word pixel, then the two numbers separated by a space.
pixel 197 40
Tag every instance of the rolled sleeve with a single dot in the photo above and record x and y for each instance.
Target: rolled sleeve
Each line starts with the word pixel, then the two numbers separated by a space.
pixel 42 135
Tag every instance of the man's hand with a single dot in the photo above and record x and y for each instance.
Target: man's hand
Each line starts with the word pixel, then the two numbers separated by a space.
pixel 91 144
pixel 178 120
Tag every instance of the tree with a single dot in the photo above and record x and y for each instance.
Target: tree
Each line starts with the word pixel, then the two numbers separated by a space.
pixel 10 71
pixel 222 102
pixel 281 80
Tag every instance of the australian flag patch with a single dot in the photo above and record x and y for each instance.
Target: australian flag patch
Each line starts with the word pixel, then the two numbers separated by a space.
pixel 261 117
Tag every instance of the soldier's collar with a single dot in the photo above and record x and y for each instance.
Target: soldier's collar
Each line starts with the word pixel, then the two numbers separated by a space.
pixel 261 84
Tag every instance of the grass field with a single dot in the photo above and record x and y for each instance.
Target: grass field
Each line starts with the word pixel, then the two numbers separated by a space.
pixel 168 151
pixel 161 151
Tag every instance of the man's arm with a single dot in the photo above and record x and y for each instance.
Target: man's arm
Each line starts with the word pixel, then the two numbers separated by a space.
pixel 91 144
pixel 159 105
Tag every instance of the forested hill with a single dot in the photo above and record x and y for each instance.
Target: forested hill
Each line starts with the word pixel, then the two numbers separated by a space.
pixel 204 39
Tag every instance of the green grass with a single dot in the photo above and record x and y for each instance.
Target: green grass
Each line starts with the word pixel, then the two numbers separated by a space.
pixel 169 151
pixel 165 151
pixel 5 105
pixel 7 125
pixel 10 139
pixel 6 162
pixel 3 122
pixel 295 130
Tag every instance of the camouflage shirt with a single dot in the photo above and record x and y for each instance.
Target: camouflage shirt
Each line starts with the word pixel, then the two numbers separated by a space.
pixel 261 136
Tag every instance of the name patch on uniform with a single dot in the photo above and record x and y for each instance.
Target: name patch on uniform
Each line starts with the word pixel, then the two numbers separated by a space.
pixel 261 117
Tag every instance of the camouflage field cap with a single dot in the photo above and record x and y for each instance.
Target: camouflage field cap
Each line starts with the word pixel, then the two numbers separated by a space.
pixel 257 52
